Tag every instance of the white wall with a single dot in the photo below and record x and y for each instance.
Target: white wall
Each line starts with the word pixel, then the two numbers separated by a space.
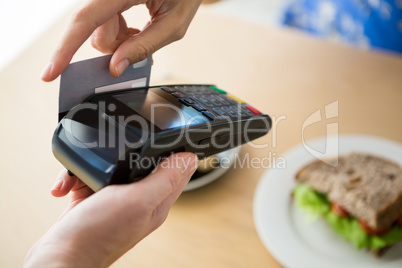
pixel 22 21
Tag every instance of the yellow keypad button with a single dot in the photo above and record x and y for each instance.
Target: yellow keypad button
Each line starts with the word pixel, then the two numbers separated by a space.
pixel 236 99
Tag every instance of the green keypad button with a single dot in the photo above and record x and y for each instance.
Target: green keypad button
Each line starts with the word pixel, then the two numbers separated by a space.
pixel 221 91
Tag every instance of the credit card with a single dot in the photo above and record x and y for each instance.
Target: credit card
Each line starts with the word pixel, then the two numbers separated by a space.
pixel 83 78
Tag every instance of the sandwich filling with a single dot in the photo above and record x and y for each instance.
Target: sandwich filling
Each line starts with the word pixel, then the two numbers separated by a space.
pixel 315 204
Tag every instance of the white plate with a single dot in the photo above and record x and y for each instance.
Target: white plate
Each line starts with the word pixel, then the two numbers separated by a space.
pixel 286 233
pixel 226 158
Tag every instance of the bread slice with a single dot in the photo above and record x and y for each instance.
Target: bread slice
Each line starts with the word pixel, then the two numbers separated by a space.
pixel 367 186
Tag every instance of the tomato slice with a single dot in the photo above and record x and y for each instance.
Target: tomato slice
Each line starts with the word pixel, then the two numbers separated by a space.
pixel 371 231
pixel 399 221
pixel 339 210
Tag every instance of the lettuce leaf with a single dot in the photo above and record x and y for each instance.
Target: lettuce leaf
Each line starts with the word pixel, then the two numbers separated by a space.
pixel 349 228
pixel 315 205
pixel 312 203
pixel 388 239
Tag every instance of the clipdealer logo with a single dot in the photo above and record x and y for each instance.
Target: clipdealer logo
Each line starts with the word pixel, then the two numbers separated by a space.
pixel 330 154
pixel 246 160
pixel 112 130
pixel 117 133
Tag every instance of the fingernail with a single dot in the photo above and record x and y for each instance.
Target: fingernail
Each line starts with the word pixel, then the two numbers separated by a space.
pixel 122 66
pixel 57 185
pixel 46 71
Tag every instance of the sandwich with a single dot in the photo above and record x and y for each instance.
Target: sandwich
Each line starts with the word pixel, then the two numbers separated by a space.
pixel 360 198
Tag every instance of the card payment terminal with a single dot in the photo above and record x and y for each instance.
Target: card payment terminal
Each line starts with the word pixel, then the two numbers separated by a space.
pixel 119 137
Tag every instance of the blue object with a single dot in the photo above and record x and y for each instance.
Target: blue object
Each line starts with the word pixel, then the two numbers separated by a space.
pixel 361 23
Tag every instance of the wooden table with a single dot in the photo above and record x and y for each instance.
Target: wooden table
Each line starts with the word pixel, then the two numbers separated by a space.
pixel 284 73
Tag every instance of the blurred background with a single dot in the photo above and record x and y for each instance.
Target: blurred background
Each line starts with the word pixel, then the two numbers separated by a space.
pixel 22 22
pixel 41 14
pixel 232 43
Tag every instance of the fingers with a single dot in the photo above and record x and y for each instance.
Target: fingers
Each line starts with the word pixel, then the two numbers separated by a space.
pixel 83 23
pixel 105 36
pixel 167 177
pixel 165 184
pixel 119 216
pixel 161 188
pixel 63 185
pixel 170 20
pixel 167 25
pixel 66 183
pixel 111 34
pixel 139 46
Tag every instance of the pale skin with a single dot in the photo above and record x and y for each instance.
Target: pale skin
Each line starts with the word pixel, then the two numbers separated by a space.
pixel 102 21
pixel 98 228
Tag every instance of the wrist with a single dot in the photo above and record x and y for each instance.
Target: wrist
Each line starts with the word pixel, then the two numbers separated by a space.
pixel 61 252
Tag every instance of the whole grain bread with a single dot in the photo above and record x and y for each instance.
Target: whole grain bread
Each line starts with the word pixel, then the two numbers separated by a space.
pixel 367 186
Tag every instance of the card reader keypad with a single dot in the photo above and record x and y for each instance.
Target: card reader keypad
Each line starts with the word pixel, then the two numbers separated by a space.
pixel 212 102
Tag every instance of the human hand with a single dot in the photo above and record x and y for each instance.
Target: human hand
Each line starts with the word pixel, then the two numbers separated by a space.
pixel 98 228
pixel 110 34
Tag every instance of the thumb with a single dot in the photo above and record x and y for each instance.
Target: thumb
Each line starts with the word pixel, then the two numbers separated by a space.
pixel 167 181
pixel 140 46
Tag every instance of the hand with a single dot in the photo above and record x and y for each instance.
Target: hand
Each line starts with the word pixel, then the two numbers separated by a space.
pixel 98 228
pixel 103 20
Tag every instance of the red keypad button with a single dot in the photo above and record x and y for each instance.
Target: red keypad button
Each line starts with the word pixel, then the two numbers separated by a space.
pixel 253 110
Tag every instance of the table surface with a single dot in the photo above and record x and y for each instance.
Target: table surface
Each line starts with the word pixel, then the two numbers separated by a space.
pixel 286 74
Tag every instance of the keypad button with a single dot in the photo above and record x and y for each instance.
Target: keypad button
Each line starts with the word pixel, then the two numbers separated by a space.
pixel 187 101
pixel 202 100
pixel 245 111
pixel 220 91
pixel 227 99
pixel 236 99
pixel 198 107
pixel 204 97
pixel 253 110
pixel 209 115
pixel 178 95
pixel 193 90
pixel 235 109
pixel 221 100
pixel 189 90
pixel 215 101
pixel 231 112
pixel 178 88
pixel 207 90
pixel 186 90
pixel 168 89
pixel 220 112
pixel 240 111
